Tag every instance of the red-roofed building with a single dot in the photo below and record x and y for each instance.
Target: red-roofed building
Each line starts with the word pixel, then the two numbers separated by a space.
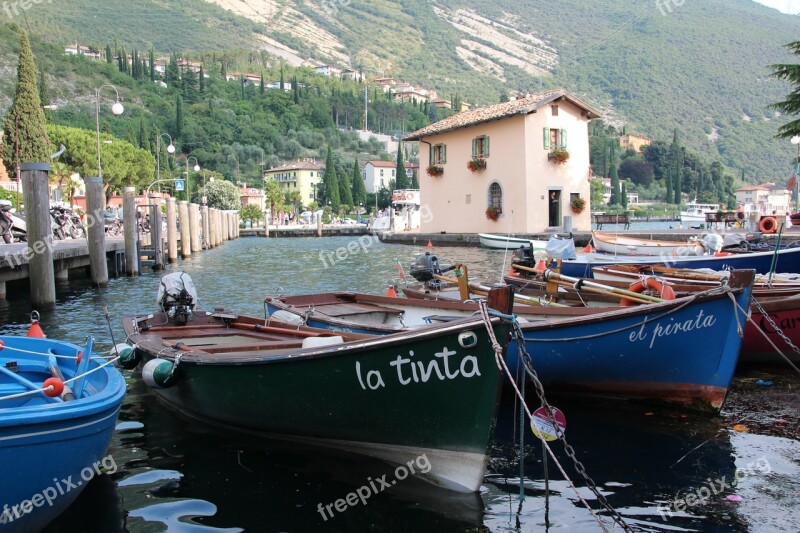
pixel 764 198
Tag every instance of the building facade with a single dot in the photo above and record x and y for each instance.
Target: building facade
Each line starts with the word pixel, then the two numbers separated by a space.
pixel 530 159
pixel 764 199
pixel 634 142
pixel 303 176
pixel 378 174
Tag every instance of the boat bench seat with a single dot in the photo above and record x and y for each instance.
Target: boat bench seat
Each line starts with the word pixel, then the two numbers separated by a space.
pixel 345 309
pixel 252 347
pixel 601 219
pixel 442 318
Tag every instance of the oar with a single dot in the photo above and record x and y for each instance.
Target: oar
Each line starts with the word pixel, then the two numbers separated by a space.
pixel 483 290
pixel 592 286
pixel 775 255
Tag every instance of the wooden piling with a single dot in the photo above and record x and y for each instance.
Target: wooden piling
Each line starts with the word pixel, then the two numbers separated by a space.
pixel 194 226
pixel 223 226
pixel 186 239
pixel 35 191
pixel 172 231
pixel 213 233
pixel 95 206
pixel 319 226
pixel 130 230
pixel 206 227
pixel 156 232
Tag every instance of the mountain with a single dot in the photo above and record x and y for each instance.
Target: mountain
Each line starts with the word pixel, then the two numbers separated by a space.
pixel 701 68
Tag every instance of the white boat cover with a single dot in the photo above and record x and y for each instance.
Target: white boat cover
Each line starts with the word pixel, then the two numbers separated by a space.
pixel 172 284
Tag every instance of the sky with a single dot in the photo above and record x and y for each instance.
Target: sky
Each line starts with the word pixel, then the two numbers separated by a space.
pixel 784 6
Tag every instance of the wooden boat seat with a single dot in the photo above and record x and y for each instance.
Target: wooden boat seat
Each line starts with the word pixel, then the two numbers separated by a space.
pixel 442 318
pixel 345 309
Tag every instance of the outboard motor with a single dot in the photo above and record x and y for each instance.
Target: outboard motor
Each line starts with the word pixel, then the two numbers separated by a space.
pixel 177 297
pixel 712 242
pixel 524 256
pixel 425 266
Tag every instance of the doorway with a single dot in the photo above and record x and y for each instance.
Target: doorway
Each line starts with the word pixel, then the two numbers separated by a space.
pixel 554 209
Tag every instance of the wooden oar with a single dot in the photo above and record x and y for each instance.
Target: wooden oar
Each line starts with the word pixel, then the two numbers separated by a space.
pixel 483 290
pixel 591 286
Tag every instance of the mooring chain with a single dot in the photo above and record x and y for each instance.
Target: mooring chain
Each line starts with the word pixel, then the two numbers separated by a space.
pixel 775 327
pixel 569 450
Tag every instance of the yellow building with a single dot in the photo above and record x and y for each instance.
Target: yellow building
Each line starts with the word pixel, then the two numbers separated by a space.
pixel 303 176
pixel 635 142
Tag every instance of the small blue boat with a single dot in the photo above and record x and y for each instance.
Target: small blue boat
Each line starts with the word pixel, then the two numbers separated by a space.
pixel 787 260
pixel 683 350
pixel 58 409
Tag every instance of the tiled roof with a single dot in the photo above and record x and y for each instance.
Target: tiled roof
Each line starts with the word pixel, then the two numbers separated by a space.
pixel 479 115
pixel 297 165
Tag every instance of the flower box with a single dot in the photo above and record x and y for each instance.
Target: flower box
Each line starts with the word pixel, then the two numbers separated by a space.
pixel 476 164
pixel 559 156
pixel 435 170
pixel 493 212
pixel 577 205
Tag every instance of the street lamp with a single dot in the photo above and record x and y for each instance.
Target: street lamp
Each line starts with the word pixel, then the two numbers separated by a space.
pixel 170 149
pixel 796 141
pixel 188 180
pixel 117 109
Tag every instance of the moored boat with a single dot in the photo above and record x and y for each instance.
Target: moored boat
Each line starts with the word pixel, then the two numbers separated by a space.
pixel 695 213
pixel 683 350
pixel 503 242
pixel 623 245
pixel 430 391
pixel 57 416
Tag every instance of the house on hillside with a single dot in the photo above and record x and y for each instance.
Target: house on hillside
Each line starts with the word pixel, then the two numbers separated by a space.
pixel 303 175
pixel 252 196
pixel 80 50
pixel 378 174
pixel 531 157
pixel 764 198
pixel 328 70
pixel 634 142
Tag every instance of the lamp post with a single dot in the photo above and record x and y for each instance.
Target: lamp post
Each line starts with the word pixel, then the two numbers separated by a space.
pixel 117 109
pixel 796 141
pixel 188 180
pixel 170 149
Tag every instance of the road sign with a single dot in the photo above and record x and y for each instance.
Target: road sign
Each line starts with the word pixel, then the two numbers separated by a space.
pixel 542 426
pixel 178 185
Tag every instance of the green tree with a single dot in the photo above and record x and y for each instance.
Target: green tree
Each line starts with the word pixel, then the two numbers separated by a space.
pixel 223 194
pixel 143 140
pixel 400 171
pixel 613 174
pixel 596 192
pixel 624 196
pixel 250 212
pixel 331 182
pixel 109 57
pixel 359 191
pixel 272 194
pixel 44 96
pixel 24 127
pixel 178 116
pixel 151 61
pixel 791 105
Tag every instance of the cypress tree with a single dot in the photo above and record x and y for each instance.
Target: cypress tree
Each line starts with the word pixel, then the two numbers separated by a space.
pixel 359 191
pixel 615 196
pixel 331 182
pixel 282 78
pixel 109 57
pixel 178 116
pixel 261 83
pixel 130 135
pixel 201 80
pixel 670 197
pixel 143 141
pixel 44 96
pixel 152 61
pixel 345 192
pixel 624 196
pixel 677 185
pixel 401 178
pixel 24 125
pixel 414 180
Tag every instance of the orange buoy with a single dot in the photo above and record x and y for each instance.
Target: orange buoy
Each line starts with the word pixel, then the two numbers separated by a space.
pixel 430 244
pixel 35 330
pixel 664 290
pixel 390 292
pixel 588 248
pixel 768 225
pixel 541 266
pixel 512 272
pixel 57 387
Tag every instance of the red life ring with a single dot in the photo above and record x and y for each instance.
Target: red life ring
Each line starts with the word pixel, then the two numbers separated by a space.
pixel 768 225
pixel 740 215
pixel 664 290
pixel 410 196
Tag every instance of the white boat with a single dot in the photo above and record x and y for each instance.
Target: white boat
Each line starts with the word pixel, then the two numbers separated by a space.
pixel 609 243
pixel 503 242
pixel 696 213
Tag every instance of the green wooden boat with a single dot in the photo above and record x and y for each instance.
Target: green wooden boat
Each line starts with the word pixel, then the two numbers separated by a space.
pixel 432 391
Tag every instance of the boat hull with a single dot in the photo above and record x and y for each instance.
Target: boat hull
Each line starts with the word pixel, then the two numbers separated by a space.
pixel 54 449
pixel 621 245
pixel 391 397
pixel 788 260
pixel 501 242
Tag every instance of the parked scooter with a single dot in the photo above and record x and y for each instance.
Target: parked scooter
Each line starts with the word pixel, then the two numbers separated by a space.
pixel 66 223
pixel 112 224
pixel 12 225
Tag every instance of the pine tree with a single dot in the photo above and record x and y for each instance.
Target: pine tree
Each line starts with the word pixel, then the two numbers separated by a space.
pixel 178 116
pixel 109 57
pixel 791 105
pixel 24 125
pixel 401 178
pixel 359 191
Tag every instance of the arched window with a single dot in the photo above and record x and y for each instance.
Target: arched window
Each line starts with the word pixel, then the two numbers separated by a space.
pixel 495 198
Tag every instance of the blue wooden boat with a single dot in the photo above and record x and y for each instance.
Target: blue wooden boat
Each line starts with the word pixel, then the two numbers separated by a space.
pixel 788 260
pixel 52 443
pixel 683 350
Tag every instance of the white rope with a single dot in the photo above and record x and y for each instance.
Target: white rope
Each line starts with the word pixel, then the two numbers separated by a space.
pixel 20 350
pixel 66 382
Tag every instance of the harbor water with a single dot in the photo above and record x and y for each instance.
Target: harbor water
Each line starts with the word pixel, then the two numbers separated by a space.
pixel 663 469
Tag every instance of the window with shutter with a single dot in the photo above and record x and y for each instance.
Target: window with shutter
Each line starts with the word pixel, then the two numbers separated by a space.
pixel 546 134
pixel 480 147
pixel 564 139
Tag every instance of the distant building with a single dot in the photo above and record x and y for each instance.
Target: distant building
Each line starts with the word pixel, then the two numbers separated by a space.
pixel 405 92
pixel 80 50
pixel 537 164
pixel 328 70
pixel 303 176
pixel 252 196
pixel 441 102
pixel 386 84
pixel 378 174
pixel 633 198
pixel 634 142
pixel 764 198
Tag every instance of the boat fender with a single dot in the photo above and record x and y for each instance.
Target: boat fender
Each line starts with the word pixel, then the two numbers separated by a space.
pixel 128 356
pixel 183 347
pixel 287 317
pixel 53 387
pixel 664 290
pixel 768 225
pixel 159 373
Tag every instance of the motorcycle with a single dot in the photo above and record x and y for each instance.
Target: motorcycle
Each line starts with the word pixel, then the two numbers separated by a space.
pixel 113 225
pixel 66 223
pixel 12 224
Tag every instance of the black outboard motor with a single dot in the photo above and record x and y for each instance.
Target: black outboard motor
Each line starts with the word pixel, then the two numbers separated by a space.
pixel 524 256
pixel 423 268
pixel 177 297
